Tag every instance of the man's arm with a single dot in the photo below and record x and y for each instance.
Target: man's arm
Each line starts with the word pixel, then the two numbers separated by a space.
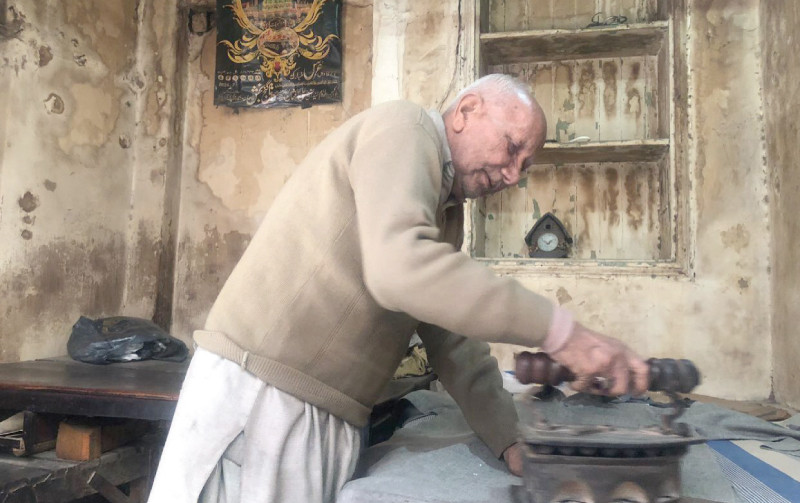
pixel 395 175
pixel 470 375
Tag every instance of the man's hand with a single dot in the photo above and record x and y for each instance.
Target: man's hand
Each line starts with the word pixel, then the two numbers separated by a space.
pixel 602 365
pixel 513 458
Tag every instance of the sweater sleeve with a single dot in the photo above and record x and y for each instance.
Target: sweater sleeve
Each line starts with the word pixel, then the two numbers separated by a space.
pixel 470 374
pixel 395 174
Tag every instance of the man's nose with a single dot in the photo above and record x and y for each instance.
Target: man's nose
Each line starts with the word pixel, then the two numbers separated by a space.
pixel 512 174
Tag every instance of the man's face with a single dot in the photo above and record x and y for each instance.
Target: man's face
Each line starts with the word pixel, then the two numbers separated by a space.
pixel 492 145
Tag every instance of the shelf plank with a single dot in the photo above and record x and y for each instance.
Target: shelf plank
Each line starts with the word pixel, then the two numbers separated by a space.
pixel 557 45
pixel 609 151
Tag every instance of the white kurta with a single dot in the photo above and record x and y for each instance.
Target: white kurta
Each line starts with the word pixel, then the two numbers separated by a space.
pixel 237 439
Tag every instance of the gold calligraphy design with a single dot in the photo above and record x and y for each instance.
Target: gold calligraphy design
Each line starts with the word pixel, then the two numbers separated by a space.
pixel 276 32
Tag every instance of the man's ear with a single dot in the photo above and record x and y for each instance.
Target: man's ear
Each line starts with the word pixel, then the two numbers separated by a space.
pixel 467 106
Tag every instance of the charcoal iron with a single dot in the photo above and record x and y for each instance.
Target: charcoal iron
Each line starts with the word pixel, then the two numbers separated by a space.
pixel 605 464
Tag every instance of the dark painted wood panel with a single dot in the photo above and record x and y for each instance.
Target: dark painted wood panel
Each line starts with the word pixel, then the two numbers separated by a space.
pixel 157 380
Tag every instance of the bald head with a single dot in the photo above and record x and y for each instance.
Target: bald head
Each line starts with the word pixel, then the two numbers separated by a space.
pixel 499 89
pixel 494 129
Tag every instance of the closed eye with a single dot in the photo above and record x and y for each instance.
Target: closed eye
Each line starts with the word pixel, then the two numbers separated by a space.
pixel 527 164
pixel 513 148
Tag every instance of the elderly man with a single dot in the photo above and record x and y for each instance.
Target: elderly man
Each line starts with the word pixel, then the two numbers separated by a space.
pixel 359 250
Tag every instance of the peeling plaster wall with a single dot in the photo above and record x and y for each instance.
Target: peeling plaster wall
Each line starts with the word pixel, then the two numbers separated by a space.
pixel 235 163
pixel 423 50
pixel 80 212
pixel 718 314
pixel 102 180
pixel 780 21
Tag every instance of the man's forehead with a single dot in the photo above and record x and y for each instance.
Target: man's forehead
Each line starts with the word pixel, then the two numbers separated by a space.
pixel 516 120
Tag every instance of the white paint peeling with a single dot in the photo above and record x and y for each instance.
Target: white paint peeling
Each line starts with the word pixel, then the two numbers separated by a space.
pixel 389 20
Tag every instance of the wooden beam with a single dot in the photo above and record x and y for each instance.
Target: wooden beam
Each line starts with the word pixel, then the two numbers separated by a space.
pixel 107 490
pixel 610 151
pixel 557 45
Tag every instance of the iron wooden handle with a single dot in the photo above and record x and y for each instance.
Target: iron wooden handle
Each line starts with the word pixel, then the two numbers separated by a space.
pixel 666 374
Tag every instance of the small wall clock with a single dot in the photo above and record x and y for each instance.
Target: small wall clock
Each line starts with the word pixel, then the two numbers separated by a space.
pixel 548 238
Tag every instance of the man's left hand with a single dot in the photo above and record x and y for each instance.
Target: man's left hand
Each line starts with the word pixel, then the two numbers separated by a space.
pixel 513 459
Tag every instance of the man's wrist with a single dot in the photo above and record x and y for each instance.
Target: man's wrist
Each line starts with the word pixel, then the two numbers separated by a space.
pixel 561 326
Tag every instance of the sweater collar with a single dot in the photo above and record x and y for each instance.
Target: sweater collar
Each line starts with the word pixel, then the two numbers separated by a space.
pixel 445 199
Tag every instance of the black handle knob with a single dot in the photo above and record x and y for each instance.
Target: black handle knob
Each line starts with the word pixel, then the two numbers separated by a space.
pixel 666 374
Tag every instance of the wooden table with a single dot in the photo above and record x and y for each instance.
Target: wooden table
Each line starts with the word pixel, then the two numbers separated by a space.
pixel 55 387
pixel 138 390
pixel 50 389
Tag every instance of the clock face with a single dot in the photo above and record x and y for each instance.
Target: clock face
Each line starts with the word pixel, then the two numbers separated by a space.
pixel 547 242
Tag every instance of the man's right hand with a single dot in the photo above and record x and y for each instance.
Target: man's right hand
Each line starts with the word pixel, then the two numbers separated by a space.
pixel 601 364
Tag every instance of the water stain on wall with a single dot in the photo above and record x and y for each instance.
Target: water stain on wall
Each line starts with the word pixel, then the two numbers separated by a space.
pixel 563 296
pixel 633 104
pixel 610 90
pixel 611 195
pixel 66 279
pixel 111 34
pixel 586 185
pixel 587 89
pixel 208 263
pixel 737 238
pixel 94 116
pixel 634 197
pixel 45 55
pixel 28 202
pixel 54 104
pixel 149 255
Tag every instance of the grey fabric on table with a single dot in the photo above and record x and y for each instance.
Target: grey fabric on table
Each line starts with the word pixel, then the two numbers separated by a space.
pixel 434 459
pixel 438 459
pixel 792 446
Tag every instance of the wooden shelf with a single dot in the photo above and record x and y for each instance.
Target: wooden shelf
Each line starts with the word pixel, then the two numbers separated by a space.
pixel 590 43
pixel 585 268
pixel 608 151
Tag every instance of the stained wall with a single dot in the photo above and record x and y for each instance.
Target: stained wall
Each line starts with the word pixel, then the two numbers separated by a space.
pixel 85 120
pixel 780 22
pixel 127 191
pixel 717 313
pixel 235 162
pixel 717 310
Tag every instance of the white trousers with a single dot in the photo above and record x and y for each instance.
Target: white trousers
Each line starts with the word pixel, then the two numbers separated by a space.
pixel 237 439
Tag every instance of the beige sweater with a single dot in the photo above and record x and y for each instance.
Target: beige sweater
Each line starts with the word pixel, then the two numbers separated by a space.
pixel 356 253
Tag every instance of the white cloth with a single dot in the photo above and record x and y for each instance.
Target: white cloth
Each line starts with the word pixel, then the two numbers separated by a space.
pixel 246 441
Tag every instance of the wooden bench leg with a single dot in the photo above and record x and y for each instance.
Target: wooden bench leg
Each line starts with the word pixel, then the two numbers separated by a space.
pixel 140 489
pixel 108 490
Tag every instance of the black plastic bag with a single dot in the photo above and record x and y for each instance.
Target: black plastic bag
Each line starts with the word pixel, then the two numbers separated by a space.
pixel 122 339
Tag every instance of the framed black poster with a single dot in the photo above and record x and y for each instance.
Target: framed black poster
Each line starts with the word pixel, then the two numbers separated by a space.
pixel 273 53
